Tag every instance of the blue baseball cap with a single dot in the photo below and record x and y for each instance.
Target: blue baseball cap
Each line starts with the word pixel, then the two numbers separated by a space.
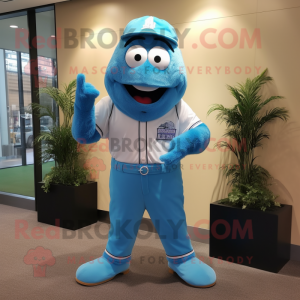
pixel 150 25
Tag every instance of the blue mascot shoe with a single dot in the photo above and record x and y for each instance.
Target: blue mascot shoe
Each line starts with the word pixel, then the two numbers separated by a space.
pixel 193 271
pixel 99 271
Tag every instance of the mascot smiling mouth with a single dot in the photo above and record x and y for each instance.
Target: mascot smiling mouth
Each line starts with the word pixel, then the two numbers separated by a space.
pixel 144 94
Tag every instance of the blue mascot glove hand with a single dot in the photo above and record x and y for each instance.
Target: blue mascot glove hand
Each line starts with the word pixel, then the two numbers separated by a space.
pixel 84 124
pixel 175 152
pixel 86 94
pixel 193 141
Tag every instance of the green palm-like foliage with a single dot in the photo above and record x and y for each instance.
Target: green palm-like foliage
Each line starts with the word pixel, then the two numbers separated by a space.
pixel 59 144
pixel 245 123
pixel 64 99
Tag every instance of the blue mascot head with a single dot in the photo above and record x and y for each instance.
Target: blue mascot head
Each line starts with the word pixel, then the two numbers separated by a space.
pixel 146 77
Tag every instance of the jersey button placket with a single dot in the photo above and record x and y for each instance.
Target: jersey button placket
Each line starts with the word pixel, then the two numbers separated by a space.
pixel 143 143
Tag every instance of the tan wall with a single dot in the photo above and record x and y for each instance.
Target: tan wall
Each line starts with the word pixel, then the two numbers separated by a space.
pixel 278 24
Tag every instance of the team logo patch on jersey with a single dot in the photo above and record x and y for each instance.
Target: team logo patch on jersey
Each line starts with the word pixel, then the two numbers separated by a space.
pixel 166 131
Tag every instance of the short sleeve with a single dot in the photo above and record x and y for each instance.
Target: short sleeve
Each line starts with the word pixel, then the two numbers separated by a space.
pixel 103 110
pixel 187 118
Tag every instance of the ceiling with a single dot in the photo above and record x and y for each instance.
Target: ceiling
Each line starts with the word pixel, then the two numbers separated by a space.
pixel 22 4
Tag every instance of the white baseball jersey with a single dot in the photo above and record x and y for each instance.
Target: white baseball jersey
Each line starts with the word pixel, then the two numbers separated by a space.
pixel 136 142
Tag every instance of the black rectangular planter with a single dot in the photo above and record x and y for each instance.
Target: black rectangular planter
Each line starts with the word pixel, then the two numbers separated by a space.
pixel 74 206
pixel 251 237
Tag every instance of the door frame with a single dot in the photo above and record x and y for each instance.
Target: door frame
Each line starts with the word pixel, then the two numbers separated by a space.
pixel 14 199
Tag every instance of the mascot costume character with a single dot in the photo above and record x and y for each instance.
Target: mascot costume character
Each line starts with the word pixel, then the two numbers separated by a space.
pixel 150 129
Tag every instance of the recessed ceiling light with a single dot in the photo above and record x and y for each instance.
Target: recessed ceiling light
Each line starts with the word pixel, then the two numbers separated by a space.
pixel 13 26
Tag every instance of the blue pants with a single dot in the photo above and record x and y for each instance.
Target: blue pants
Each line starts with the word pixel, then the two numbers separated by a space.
pixel 160 192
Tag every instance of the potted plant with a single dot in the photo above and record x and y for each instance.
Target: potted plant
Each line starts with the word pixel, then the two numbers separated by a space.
pixel 249 227
pixel 65 198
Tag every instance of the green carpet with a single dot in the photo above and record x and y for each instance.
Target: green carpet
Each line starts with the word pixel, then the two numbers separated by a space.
pixel 20 180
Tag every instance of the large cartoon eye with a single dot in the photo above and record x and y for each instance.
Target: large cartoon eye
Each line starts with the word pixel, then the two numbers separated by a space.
pixel 135 56
pixel 159 57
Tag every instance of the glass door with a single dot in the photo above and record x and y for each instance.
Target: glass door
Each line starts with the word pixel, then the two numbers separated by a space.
pixel 16 131
pixel 23 71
